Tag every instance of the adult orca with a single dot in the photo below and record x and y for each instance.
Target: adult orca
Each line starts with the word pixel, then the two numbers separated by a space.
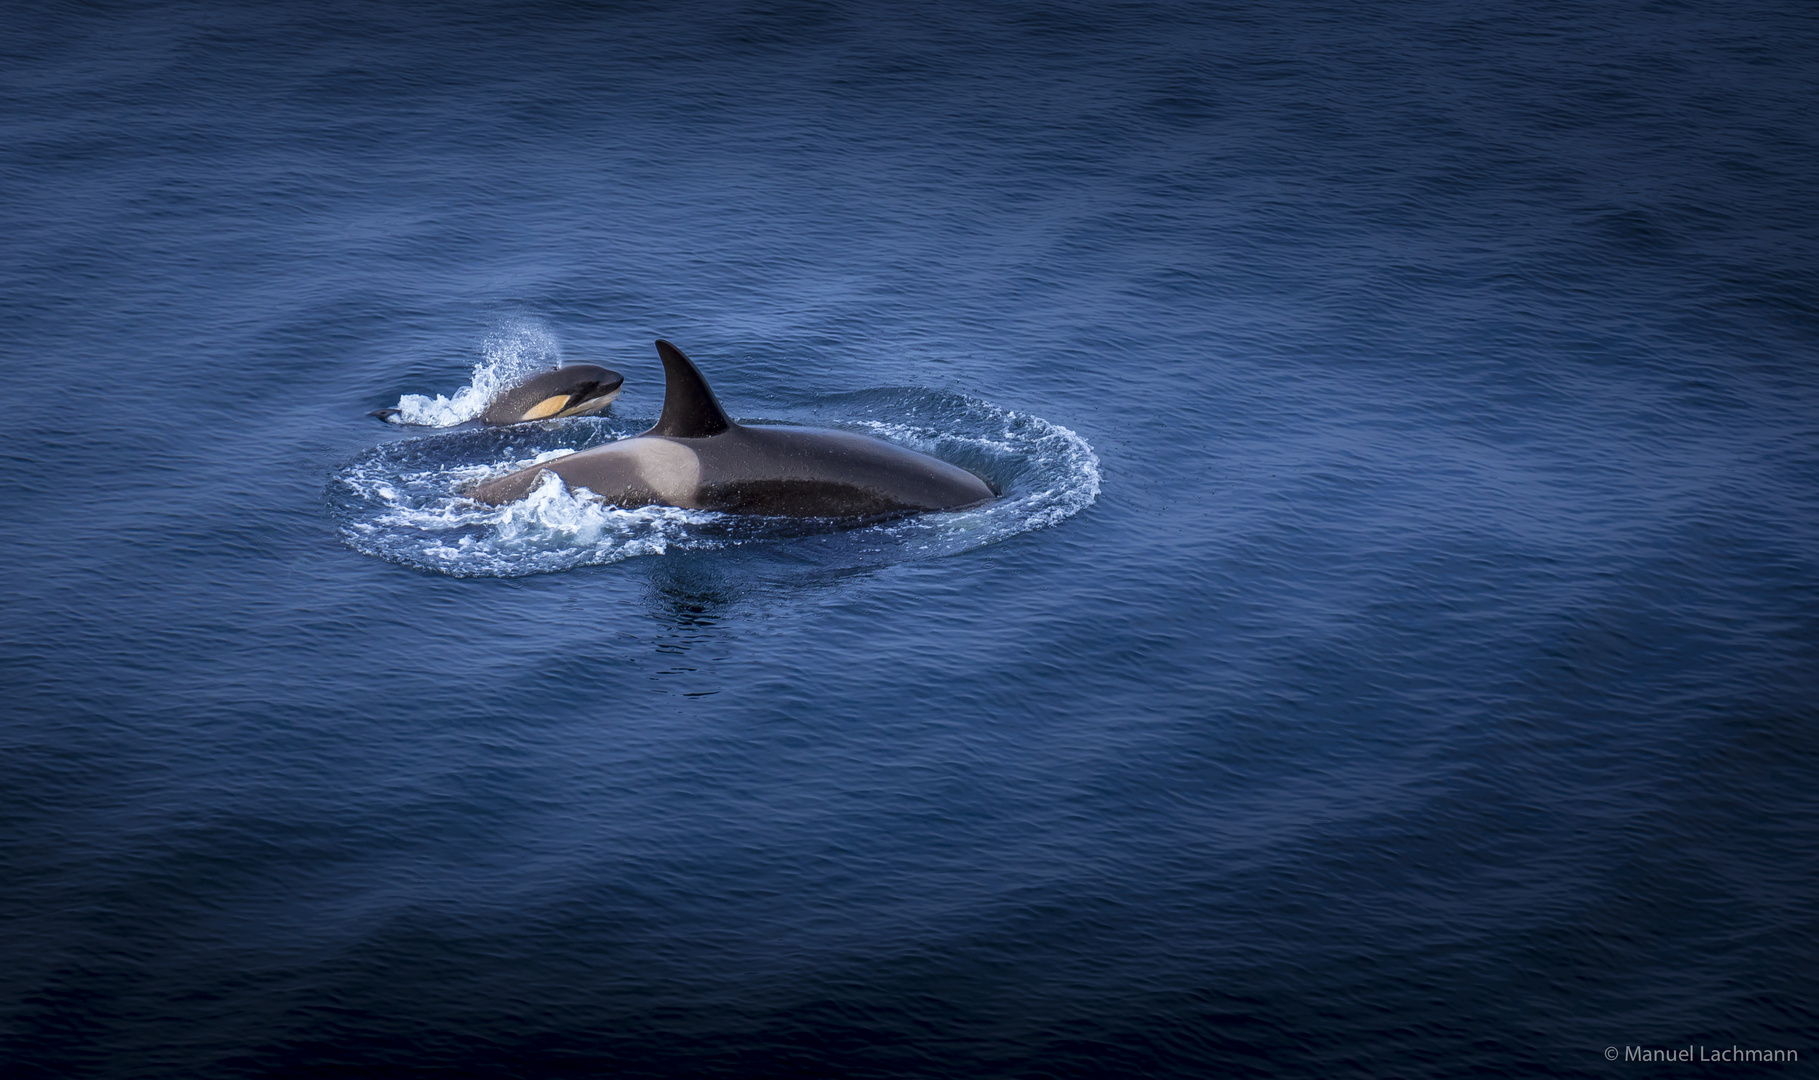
pixel 697 457
pixel 575 390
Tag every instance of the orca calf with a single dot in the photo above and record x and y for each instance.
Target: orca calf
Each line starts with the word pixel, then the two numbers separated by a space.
pixel 575 390
pixel 696 457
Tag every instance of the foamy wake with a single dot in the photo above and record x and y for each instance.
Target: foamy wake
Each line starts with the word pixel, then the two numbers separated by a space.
pixel 421 518
pixel 403 501
pixel 509 356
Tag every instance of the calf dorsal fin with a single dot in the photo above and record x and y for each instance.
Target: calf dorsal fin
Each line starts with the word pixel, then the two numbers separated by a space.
pixel 690 410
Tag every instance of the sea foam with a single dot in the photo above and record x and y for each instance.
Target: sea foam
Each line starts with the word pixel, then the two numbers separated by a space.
pixel 515 352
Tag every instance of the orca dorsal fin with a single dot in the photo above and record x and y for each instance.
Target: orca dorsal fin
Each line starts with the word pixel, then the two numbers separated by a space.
pixel 690 410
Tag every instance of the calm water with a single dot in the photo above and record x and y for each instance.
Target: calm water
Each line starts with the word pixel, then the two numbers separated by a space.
pixel 1397 652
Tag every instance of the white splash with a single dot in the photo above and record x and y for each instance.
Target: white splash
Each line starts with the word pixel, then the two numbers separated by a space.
pixel 422 519
pixel 510 355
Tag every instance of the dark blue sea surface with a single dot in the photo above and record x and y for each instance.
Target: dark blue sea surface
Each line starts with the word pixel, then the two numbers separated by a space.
pixel 1396 652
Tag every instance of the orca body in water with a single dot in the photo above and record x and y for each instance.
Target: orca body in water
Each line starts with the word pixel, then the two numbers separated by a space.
pixel 575 390
pixel 696 457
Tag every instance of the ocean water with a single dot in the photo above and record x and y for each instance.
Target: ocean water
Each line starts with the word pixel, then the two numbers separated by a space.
pixel 1396 652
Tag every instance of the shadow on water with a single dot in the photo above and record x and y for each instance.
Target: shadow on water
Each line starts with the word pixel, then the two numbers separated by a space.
pixel 691 598
pixel 690 592
pixel 702 602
